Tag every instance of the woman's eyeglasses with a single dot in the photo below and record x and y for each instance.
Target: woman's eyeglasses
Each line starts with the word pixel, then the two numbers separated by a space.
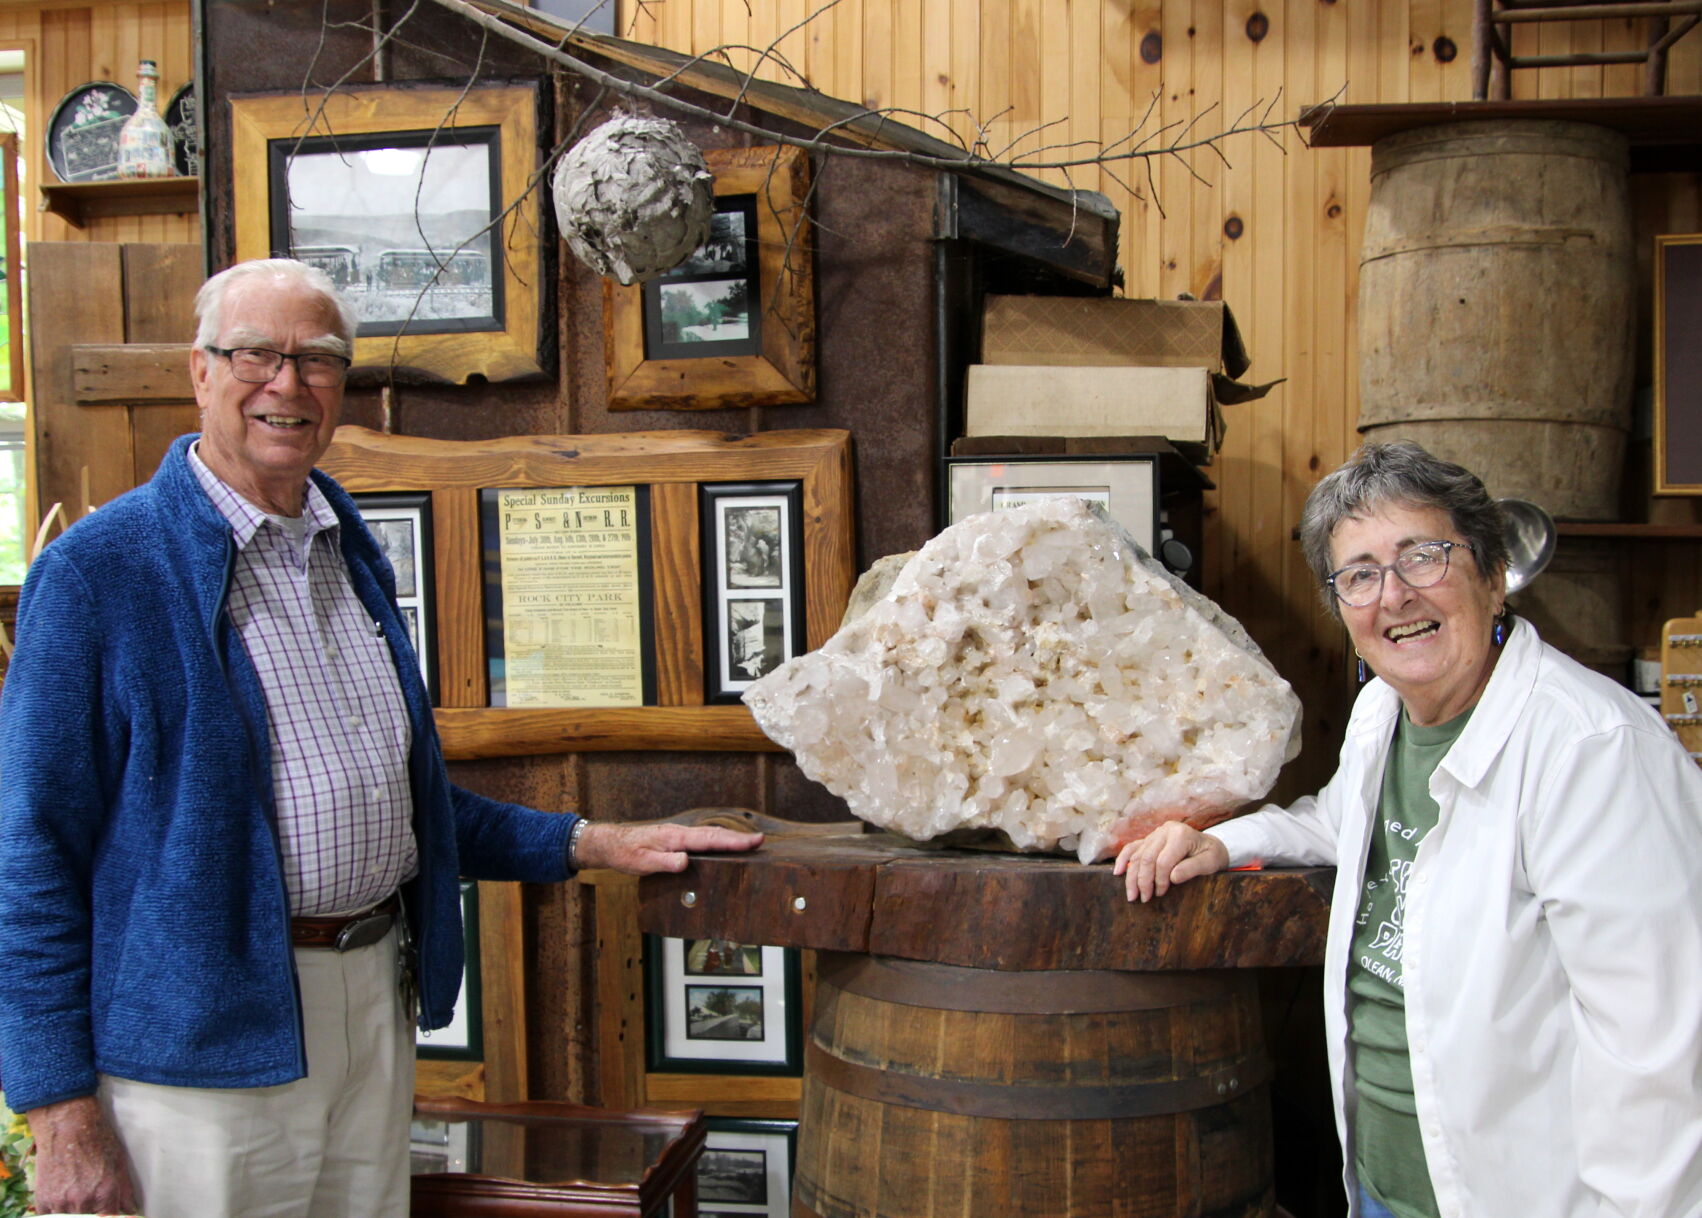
pixel 1361 583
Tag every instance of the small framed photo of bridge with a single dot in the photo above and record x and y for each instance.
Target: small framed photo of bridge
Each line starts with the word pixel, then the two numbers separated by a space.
pixel 718 1007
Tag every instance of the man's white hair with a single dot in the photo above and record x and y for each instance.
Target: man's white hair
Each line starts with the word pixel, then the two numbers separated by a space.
pixel 209 301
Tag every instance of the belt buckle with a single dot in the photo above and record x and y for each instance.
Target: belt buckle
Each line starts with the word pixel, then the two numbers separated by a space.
pixel 362 932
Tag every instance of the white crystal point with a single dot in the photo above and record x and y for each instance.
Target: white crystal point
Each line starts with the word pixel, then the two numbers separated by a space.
pixel 1033 674
pixel 634 198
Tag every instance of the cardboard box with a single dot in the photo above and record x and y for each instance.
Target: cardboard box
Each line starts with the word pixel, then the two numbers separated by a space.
pixel 1093 330
pixel 1099 366
pixel 1034 400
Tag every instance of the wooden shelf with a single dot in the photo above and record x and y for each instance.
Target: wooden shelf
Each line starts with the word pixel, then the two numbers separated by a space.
pixel 1634 532
pixel 79 202
pixel 1661 131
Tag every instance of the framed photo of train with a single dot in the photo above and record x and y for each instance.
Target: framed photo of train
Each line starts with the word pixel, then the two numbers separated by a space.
pixel 416 203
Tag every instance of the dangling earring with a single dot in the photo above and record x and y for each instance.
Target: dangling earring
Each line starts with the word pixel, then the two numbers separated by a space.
pixel 1498 636
pixel 1361 660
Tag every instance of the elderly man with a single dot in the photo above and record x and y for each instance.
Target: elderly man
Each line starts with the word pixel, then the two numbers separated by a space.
pixel 224 814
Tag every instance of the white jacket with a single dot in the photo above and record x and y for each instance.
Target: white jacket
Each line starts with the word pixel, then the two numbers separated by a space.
pixel 1553 943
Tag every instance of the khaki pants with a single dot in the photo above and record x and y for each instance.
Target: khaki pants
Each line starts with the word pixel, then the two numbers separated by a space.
pixel 331 1145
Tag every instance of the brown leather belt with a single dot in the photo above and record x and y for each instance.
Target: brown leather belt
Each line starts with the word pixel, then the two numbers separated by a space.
pixel 346 934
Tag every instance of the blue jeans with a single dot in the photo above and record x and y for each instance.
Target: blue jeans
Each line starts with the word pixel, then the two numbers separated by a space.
pixel 1370 1207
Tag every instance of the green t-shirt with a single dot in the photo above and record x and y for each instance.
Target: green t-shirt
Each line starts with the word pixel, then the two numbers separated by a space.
pixel 1388 1151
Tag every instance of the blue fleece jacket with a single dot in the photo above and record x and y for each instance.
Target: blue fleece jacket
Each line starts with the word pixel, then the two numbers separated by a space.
pixel 144 926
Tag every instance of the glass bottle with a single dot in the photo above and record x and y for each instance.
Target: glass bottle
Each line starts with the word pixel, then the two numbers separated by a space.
pixel 144 143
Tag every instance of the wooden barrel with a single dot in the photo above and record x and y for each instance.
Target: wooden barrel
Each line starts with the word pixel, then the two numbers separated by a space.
pixel 1497 305
pixel 1578 605
pixel 931 1089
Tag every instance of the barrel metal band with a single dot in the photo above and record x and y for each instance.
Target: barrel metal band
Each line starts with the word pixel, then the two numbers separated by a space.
pixel 1016 1102
pixel 950 987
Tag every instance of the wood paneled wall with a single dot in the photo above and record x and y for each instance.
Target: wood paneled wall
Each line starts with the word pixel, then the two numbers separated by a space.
pixel 1273 228
pixel 69 45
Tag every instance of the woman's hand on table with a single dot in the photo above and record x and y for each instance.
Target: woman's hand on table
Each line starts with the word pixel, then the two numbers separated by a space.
pixel 1173 853
pixel 647 849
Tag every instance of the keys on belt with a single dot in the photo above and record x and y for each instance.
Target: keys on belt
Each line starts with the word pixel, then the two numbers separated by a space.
pixel 346 934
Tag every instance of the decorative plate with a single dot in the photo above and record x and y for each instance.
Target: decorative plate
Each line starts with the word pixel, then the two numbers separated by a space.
pixel 185 132
pixel 82 136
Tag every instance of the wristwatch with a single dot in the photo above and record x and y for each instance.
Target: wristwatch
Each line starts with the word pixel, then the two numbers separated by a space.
pixel 573 843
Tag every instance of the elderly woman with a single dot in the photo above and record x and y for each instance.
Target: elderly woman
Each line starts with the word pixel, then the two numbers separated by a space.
pixel 1514 966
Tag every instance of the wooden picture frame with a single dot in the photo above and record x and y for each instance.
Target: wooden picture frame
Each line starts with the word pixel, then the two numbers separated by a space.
pixel 269 131
pixel 716 1007
pixel 1678 364
pixel 673 465
pixel 783 372
pixel 753 583
pixel 12 387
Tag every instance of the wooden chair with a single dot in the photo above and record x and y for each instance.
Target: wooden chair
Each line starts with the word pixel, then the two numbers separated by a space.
pixel 544 1159
pixel 1493 60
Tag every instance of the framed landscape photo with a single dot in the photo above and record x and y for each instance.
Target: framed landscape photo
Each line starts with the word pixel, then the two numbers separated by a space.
pixel 718 1007
pixel 711 304
pixel 753 582
pixel 1126 486
pixel 746 1168
pixel 401 524
pixel 735 324
pixel 419 203
pixel 401 221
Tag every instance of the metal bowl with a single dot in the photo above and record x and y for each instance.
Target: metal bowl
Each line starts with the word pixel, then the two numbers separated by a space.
pixel 1530 537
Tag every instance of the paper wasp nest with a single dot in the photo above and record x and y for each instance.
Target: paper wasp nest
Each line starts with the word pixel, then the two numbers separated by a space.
pixel 634 198
pixel 1033 675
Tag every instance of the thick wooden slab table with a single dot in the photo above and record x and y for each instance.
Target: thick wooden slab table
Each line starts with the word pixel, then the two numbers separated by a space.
pixel 999 1033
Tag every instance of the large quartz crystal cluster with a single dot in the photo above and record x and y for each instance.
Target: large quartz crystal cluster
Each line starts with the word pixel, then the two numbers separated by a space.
pixel 1033 675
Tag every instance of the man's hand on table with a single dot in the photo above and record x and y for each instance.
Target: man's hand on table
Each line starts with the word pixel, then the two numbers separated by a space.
pixel 646 849
pixel 81 1167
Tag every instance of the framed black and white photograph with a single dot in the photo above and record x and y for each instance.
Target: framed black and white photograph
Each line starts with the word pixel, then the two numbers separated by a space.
pixel 746 1168
pixel 401 524
pixel 463 1039
pixel 419 203
pixel 1126 486
pixel 753 583
pixel 400 221
pixel 709 305
pixel 719 1007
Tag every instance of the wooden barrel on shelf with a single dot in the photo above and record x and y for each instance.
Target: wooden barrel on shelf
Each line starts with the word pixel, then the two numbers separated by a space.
pixel 1578 605
pixel 933 1089
pixel 1497 304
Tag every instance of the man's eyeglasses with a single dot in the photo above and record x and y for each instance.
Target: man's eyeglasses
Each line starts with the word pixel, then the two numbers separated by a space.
pixel 1421 566
pixel 257 365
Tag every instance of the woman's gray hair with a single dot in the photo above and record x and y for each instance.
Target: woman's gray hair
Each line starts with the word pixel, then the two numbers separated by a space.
pixel 209 301
pixel 1401 474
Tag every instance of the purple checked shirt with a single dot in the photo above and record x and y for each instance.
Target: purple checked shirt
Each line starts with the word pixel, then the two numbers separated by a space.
pixel 338 725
